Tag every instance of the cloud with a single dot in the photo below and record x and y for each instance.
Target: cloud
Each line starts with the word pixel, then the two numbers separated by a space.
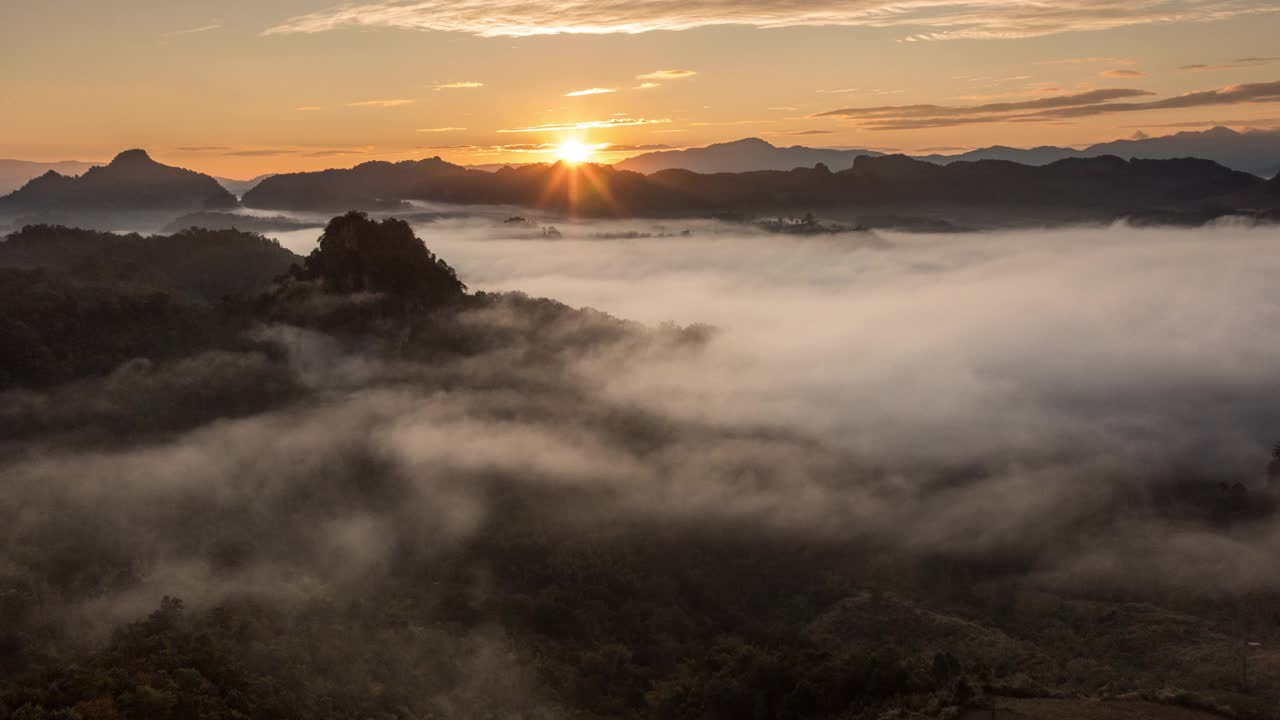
pixel 260 152
pixel 648 86
pixel 1118 73
pixel 1265 124
pixel 192 31
pixel 1063 107
pixel 587 125
pixel 667 75
pixel 279 151
pixel 936 20
pixel 589 91
pixel 440 129
pixel 615 148
pixel 800 132
pixel 1089 61
pixel 308 108
pixel 382 103
pixel 1233 65
pixel 460 85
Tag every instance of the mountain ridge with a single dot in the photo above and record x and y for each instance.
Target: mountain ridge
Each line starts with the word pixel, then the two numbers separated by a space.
pixel 1256 152
pixel 1104 188
pixel 132 183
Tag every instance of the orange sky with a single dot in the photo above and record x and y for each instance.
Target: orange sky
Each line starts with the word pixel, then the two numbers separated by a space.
pixel 237 90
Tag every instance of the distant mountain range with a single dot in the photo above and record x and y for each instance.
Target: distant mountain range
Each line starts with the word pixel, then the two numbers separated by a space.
pixel 136 192
pixel 131 184
pixel 746 155
pixel 240 187
pixel 1256 152
pixel 988 191
pixel 16 173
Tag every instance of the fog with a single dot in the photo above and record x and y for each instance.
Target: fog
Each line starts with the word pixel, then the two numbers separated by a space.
pixel 1032 393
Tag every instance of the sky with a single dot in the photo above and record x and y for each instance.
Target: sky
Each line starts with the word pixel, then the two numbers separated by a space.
pixel 239 88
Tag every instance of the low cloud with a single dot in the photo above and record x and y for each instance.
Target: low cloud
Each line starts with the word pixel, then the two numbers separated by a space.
pixel 800 132
pixel 616 148
pixel 587 125
pixel 1089 61
pixel 195 30
pixel 667 75
pixel 1233 65
pixel 1056 108
pixel 941 20
pixel 399 102
pixel 1120 73
pixel 461 85
pixel 589 91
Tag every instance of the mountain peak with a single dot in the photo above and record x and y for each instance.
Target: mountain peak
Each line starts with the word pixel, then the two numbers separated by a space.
pixel 136 156
pixel 746 142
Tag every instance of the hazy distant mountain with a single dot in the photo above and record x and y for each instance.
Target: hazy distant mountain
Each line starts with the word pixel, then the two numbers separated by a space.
pixel 746 155
pixel 132 183
pixel 974 193
pixel 1256 152
pixel 240 187
pixel 1042 155
pixel 16 173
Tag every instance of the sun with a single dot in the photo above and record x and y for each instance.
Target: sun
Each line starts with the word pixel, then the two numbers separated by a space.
pixel 573 152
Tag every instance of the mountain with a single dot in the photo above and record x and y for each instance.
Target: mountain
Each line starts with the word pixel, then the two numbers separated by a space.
pixel 1042 155
pixel 131 186
pixel 746 155
pixel 16 173
pixel 1256 152
pixel 985 193
pixel 240 187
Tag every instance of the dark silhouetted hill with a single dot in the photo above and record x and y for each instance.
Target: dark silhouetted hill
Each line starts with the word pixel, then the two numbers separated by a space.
pixel 1073 189
pixel 368 186
pixel 746 155
pixel 131 183
pixel 16 173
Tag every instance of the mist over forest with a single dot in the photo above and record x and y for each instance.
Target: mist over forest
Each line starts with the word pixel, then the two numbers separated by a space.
pixel 630 471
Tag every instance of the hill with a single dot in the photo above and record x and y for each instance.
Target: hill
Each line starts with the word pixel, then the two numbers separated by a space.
pixel 368 186
pixel 132 183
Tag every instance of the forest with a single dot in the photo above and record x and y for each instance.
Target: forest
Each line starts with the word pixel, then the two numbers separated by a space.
pixel 241 483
